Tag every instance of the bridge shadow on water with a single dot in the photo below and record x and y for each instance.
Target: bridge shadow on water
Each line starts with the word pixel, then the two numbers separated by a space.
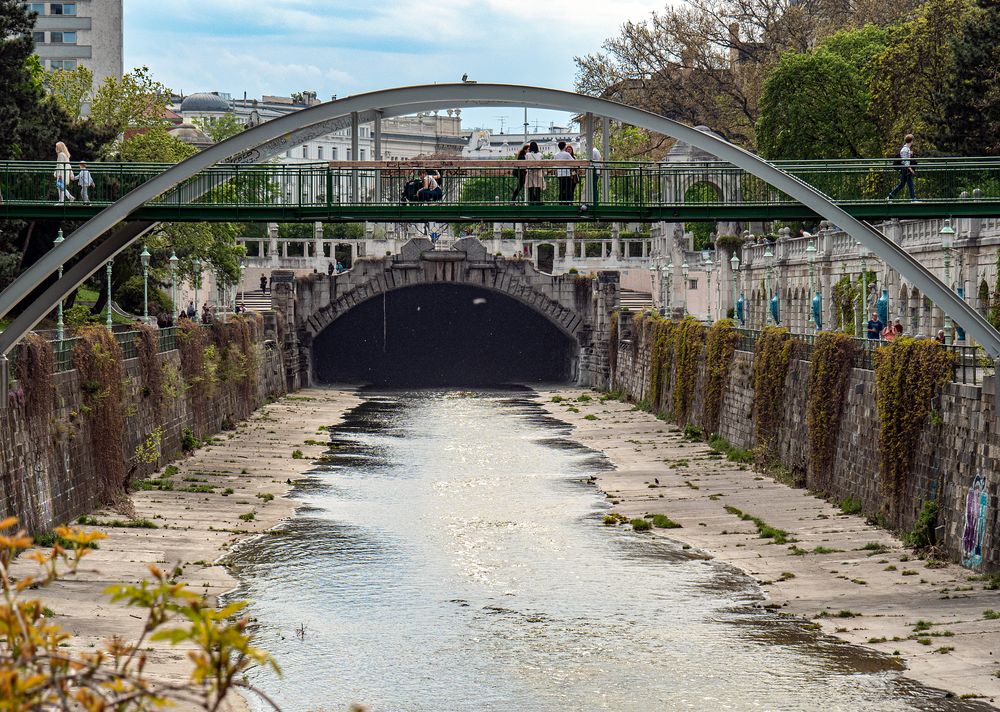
pixel 433 335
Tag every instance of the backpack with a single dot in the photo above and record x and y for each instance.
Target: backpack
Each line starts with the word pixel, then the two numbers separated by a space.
pixel 410 189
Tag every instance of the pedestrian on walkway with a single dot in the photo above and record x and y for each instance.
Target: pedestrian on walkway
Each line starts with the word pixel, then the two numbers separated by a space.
pixel 63 173
pixel 535 179
pixel 263 284
pixel 191 311
pixel 906 164
pixel 564 175
pixel 85 181
pixel 875 327
pixel 519 173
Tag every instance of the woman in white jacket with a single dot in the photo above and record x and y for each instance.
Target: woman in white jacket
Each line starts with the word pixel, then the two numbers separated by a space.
pixel 63 173
pixel 535 180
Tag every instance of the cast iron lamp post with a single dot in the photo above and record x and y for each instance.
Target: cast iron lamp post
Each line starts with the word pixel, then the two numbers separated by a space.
pixel 144 258
pixel 947 240
pixel 769 258
pixel 173 280
pixel 197 284
pixel 108 269
pixel 684 273
pixel 60 325
pixel 734 263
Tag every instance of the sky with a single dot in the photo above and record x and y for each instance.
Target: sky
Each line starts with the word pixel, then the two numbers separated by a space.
pixel 337 47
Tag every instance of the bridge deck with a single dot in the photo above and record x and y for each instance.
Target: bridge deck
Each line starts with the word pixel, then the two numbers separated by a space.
pixel 484 190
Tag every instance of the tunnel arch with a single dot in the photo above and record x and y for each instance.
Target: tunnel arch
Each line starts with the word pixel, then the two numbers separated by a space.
pixel 462 94
pixel 443 334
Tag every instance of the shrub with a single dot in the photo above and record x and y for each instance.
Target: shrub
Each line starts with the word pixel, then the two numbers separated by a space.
pixel 248 517
pixel 297 455
pixel 640 525
pixel 922 534
pixel 189 442
pixel 129 297
pixel 662 521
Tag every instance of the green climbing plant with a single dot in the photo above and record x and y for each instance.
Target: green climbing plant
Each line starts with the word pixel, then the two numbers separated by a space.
pixel 909 374
pixel 688 341
pixel 720 348
pixel 660 356
pixel 770 365
pixel 846 293
pixel 829 372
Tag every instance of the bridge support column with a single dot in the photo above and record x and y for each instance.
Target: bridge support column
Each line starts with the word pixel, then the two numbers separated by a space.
pixel 272 245
pixel 616 245
pixel 354 155
pixel 318 246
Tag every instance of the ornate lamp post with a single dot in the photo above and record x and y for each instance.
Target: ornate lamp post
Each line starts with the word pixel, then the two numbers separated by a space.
pixel 173 280
pixel 709 266
pixel 242 291
pixel 734 263
pixel 197 284
pixel 813 292
pixel 947 234
pixel 60 325
pixel 684 273
pixel 863 254
pixel 108 269
pixel 144 258
pixel 768 260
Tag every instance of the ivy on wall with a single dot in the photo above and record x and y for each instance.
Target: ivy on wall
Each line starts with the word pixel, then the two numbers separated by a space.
pixel 98 361
pixel 660 357
pixel 720 348
pixel 770 365
pixel 909 374
pixel 192 341
pixel 147 344
pixel 846 293
pixel 35 366
pixel 829 372
pixel 689 338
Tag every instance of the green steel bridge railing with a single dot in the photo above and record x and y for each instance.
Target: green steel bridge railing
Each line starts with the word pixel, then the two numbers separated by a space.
pixel 485 190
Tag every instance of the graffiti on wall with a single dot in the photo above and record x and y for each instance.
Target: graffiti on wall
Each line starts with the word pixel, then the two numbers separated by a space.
pixel 976 502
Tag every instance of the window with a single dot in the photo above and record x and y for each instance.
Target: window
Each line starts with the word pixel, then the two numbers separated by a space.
pixel 288 154
pixel 66 64
pixel 348 154
pixel 692 284
pixel 38 37
pixel 37 7
pixel 334 155
pixel 319 153
pixel 62 8
pixel 361 154
pixel 305 152
pixel 62 37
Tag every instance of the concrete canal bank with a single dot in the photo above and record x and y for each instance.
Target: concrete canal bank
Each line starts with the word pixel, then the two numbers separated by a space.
pixel 855 581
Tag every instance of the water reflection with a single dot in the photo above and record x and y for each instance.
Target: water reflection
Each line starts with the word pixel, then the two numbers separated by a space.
pixel 454 559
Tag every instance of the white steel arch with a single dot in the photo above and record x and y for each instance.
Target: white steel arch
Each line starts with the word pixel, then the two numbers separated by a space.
pixel 283 131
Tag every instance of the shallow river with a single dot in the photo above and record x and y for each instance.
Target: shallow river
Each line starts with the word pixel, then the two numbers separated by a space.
pixel 453 558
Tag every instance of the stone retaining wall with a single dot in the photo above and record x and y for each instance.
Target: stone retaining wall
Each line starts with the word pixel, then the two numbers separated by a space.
pixel 47 469
pixel 956 463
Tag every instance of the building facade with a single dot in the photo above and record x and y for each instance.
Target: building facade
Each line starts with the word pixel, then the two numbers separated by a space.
pixel 85 33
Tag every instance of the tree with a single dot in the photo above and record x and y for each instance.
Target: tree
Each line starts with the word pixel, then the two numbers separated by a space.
pixel 135 100
pixel 914 73
pixel 969 122
pixel 70 89
pixel 815 105
pixel 221 128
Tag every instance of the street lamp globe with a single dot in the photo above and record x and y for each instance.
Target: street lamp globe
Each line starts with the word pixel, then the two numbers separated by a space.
pixel 144 257
pixel 173 262
pixel 768 255
pixel 811 251
pixel 734 262
pixel 947 234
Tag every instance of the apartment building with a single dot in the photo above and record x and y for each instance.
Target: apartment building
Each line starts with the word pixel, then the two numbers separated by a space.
pixel 80 33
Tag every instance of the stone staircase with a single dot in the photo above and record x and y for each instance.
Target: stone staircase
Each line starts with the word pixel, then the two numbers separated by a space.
pixel 257 301
pixel 635 301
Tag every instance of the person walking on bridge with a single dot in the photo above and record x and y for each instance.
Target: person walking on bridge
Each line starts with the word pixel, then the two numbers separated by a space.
pixel 520 174
pixel 63 173
pixel 564 175
pixel 905 163
pixel 535 180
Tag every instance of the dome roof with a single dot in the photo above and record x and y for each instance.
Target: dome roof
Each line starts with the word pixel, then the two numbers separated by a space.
pixel 204 101
pixel 189 133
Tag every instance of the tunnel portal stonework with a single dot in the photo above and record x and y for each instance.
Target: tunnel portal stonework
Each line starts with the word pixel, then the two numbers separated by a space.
pixel 579 306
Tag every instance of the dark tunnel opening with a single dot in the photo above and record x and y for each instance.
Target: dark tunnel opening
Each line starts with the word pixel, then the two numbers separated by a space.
pixel 443 335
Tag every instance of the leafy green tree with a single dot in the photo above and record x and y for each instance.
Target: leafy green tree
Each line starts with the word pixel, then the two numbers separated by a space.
pixel 70 89
pixel 815 105
pixel 221 128
pixel 135 100
pixel 969 122
pixel 915 72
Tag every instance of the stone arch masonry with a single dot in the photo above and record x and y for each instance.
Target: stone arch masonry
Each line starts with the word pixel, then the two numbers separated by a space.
pixel 572 303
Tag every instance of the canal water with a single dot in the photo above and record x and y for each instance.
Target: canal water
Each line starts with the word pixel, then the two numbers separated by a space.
pixel 451 557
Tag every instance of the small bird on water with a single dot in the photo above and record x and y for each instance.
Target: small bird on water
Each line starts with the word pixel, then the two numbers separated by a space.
pixel 657 481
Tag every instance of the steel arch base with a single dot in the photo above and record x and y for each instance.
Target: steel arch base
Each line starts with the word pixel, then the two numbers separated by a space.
pixel 280 133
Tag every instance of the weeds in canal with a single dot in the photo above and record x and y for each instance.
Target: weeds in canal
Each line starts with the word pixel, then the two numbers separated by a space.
pixel 922 534
pixel 162 484
pixel 764 530
pixel 733 454
pixel 614 519
pixel 661 521
pixel 297 455
pixel 590 416
pixel 849 505
pixel 248 517
pixel 266 496
pixel 557 399
pixel 89 521
pixel 991 615
pixel 584 398
pixel 640 525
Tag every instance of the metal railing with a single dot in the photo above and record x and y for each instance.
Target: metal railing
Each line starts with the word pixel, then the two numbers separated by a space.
pixel 968 367
pixel 62 351
pixel 287 188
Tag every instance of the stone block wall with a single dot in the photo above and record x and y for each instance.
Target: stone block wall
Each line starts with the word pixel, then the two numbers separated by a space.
pixel 956 463
pixel 48 473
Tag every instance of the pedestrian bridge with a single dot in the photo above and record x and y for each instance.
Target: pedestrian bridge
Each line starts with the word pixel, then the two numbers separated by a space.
pixel 484 191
